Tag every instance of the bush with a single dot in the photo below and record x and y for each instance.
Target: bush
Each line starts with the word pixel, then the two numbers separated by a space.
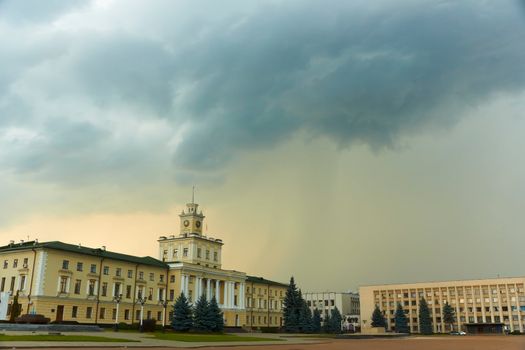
pixel 33 319
pixel 149 325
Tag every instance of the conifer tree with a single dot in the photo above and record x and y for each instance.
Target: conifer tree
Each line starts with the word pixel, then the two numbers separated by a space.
pixel 316 321
pixel 425 322
pixel 16 308
pixel 215 316
pixel 401 320
pixel 378 320
pixel 291 308
pixel 305 317
pixel 335 321
pixel 327 323
pixel 182 315
pixel 201 321
pixel 449 316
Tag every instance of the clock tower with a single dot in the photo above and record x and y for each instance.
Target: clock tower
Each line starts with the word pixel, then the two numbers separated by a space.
pixel 191 221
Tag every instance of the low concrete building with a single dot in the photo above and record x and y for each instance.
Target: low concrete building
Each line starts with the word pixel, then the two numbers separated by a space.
pixel 346 302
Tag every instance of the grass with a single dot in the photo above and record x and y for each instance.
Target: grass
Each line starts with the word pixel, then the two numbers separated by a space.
pixel 192 337
pixel 71 338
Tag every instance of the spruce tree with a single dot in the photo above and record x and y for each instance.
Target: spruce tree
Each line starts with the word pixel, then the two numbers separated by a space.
pixel 378 320
pixel 201 321
pixel 425 322
pixel 335 321
pixel 305 317
pixel 316 321
pixel 401 320
pixel 182 315
pixel 449 316
pixel 327 323
pixel 16 308
pixel 291 308
pixel 215 316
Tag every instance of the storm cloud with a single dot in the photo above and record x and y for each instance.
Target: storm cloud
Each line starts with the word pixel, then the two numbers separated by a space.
pixel 94 92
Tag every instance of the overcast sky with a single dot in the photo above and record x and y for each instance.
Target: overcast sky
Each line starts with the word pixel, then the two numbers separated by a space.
pixel 343 142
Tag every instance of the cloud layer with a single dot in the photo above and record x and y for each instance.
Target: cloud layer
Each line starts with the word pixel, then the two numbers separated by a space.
pixel 124 93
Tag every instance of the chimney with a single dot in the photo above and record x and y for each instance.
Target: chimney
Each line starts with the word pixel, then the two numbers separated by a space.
pixel 104 248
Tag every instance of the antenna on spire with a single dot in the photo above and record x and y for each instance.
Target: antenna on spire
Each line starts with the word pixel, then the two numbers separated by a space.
pixel 193 195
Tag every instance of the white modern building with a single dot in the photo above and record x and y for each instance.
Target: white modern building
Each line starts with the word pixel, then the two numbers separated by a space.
pixel 346 302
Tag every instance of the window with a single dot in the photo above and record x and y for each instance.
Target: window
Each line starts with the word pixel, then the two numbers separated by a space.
pixel 126 314
pixel 106 270
pixel 176 253
pixel 102 313
pixel 6 264
pixel 199 253
pixel 25 262
pixel 22 282
pixel 117 289
pixel 161 294
pixel 118 272
pixel 91 287
pixel 215 256
pixel 77 286
pixel 149 314
pixel 172 294
pixel 159 315
pixel 172 279
pixel 89 311
pixel 93 268
pixel 74 312
pixel 150 295
pixel 151 276
pixel 65 265
pixel 141 275
pixel 114 314
pixel 161 278
pixel 128 292
pixel 79 266
pixel 63 284
pixel 15 263
pixel 185 252
pixel 2 284
pixel 130 273
pixel 104 289
pixel 137 315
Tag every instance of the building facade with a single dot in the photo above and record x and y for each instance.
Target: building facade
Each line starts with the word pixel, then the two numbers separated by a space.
pixel 347 303
pixel 483 305
pixel 68 282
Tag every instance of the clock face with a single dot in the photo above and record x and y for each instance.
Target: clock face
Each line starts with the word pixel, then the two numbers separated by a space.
pixel 198 223
pixel 186 223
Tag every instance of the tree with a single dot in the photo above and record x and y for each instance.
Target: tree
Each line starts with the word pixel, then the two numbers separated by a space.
pixel 327 323
pixel 305 317
pixel 316 321
pixel 378 320
pixel 335 321
pixel 215 316
pixel 182 315
pixel 401 320
pixel 425 323
pixel 16 308
pixel 201 321
pixel 449 316
pixel 291 308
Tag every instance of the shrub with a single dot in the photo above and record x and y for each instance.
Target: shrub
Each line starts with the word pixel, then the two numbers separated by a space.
pixel 149 325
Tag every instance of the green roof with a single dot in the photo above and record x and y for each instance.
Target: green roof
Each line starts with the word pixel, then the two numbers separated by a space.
pixel 254 279
pixel 72 248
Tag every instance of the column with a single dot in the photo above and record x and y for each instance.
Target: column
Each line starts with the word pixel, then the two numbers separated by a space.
pixel 208 289
pixel 226 294
pixel 218 291
pixel 232 294
pixel 182 283
pixel 198 288
pixel 241 295
pixel 186 282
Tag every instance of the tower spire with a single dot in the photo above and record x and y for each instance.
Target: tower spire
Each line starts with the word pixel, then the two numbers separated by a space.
pixel 193 195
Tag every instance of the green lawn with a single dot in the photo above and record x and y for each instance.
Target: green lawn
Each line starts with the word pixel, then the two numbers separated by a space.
pixel 72 338
pixel 190 337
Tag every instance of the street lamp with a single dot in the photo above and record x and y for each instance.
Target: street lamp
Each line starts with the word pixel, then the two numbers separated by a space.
pixel 141 300
pixel 164 304
pixel 117 299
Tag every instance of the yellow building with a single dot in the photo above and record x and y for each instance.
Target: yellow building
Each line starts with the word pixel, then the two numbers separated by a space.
pixel 486 305
pixel 74 283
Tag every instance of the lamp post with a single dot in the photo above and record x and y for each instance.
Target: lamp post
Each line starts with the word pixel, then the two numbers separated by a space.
pixel 117 299
pixel 164 304
pixel 141 300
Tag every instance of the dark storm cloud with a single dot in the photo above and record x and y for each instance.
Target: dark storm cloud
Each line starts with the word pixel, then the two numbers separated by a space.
pixel 239 77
